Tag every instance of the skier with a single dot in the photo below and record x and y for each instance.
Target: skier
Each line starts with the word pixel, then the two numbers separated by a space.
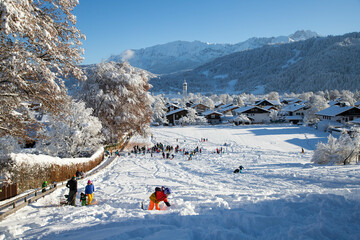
pixel 89 191
pixel 72 185
pixel 159 195
pixel 241 168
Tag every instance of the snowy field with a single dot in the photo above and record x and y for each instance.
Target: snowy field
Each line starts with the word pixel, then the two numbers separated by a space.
pixel 279 195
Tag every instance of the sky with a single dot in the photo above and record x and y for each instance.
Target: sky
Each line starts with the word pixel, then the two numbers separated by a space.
pixel 112 26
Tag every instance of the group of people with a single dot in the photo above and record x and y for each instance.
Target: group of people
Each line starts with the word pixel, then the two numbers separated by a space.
pixel 73 188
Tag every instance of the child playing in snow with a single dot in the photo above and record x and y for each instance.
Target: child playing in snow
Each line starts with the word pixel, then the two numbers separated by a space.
pixel 83 199
pixel 159 195
pixel 89 191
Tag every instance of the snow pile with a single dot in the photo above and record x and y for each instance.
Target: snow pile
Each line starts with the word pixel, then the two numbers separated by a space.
pixel 279 194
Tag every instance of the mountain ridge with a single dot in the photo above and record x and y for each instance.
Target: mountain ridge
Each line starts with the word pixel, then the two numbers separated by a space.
pixel 183 55
pixel 314 64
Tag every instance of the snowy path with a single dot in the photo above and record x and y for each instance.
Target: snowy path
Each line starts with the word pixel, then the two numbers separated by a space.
pixel 279 195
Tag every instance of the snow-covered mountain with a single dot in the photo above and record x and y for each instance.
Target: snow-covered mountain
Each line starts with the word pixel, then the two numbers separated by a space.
pixel 312 65
pixel 182 55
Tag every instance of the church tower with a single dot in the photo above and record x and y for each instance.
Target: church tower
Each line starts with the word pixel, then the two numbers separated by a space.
pixel 184 89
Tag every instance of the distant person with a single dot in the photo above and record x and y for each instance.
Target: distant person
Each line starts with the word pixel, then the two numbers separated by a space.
pixel 72 185
pixel 158 196
pixel 43 186
pixel 89 191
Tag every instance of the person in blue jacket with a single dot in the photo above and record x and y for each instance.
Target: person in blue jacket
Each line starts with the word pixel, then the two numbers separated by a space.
pixel 89 190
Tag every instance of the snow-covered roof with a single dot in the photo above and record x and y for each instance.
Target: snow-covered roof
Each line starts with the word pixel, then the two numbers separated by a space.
pixel 273 102
pixel 209 112
pixel 247 108
pixel 292 108
pixel 176 111
pixel 269 107
pixel 226 105
pixel 357 103
pixel 333 111
pixel 231 107
pixel 291 100
pixel 198 104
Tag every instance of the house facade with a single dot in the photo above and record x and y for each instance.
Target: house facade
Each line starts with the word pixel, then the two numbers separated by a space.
pixel 254 113
pixel 339 114
pixel 212 117
pixel 174 116
pixel 199 107
pixel 293 113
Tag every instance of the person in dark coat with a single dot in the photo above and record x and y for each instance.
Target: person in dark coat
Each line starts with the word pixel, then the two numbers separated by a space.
pixel 72 185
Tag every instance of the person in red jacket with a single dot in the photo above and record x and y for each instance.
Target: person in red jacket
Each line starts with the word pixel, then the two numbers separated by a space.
pixel 159 195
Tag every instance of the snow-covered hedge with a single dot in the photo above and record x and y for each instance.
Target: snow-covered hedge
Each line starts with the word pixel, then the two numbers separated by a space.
pixel 30 170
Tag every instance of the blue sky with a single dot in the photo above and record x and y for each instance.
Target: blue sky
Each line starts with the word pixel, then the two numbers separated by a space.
pixel 112 26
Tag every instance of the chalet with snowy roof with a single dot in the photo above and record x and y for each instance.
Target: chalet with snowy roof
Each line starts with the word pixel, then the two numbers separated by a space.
pixel 254 113
pixel 290 101
pixel 293 113
pixel 199 107
pixel 212 117
pixel 219 104
pixel 264 103
pixel 171 107
pixel 174 116
pixel 339 114
pixel 228 110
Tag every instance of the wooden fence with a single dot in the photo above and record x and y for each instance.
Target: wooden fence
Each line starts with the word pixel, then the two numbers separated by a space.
pixel 8 191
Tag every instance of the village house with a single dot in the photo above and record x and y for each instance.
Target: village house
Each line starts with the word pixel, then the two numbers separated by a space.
pixel 199 107
pixel 290 101
pixel 171 107
pixel 293 113
pixel 254 113
pixel 212 117
pixel 339 114
pixel 228 109
pixel 174 116
pixel 265 103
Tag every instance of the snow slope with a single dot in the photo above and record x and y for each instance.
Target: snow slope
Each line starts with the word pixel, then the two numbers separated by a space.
pixel 279 195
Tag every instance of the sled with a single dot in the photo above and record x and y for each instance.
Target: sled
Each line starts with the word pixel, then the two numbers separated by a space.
pixel 94 202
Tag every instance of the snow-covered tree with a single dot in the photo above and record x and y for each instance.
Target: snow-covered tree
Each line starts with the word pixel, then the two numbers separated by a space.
pixel 39 43
pixel 119 95
pixel 192 119
pixel 336 151
pixel 272 96
pixel 208 102
pixel 76 134
pixel 159 110
pixel 237 100
pixel 316 103
pixel 8 145
pixel 348 97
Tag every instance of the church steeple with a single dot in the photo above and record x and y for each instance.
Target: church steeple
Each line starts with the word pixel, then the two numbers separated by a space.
pixel 184 89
